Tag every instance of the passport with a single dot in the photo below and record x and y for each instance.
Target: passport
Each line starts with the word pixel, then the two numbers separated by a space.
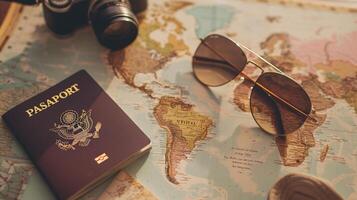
pixel 76 135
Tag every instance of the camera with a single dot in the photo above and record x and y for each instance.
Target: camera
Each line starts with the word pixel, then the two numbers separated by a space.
pixel 113 21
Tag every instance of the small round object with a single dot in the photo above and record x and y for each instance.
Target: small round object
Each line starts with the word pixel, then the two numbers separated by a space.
pixel 69 117
pixel 302 187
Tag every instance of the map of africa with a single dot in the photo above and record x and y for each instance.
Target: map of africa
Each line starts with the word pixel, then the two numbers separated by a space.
pixel 206 144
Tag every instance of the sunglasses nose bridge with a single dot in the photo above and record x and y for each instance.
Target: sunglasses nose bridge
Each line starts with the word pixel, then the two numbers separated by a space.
pixel 259 67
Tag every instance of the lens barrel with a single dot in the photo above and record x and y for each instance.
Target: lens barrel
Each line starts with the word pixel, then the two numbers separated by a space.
pixel 113 22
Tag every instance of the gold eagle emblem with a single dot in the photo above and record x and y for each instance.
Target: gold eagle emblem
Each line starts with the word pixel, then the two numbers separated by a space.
pixel 74 129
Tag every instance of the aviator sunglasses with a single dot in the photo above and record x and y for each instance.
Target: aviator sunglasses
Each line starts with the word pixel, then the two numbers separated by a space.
pixel 278 104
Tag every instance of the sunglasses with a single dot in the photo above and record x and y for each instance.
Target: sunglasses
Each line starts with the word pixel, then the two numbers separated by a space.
pixel 278 104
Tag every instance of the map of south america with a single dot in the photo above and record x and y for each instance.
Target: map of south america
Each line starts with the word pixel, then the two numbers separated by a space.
pixel 185 127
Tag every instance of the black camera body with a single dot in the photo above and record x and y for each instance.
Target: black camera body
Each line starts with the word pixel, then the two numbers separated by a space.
pixel 113 21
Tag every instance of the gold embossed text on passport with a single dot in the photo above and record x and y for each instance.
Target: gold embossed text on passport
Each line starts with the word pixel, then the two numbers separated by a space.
pixel 101 158
pixel 53 100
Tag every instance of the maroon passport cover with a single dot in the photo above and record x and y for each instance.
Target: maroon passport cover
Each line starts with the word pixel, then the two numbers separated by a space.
pixel 76 134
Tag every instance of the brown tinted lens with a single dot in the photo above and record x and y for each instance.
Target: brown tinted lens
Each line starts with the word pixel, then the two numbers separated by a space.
pixel 272 115
pixel 218 60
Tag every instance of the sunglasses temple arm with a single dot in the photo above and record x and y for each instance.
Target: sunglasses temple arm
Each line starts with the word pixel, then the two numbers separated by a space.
pixel 313 119
pixel 280 99
pixel 216 61
pixel 265 89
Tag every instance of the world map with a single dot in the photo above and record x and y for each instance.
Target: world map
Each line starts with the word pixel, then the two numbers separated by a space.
pixel 206 144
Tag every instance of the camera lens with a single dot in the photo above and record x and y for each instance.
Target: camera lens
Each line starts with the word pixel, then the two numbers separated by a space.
pixel 113 22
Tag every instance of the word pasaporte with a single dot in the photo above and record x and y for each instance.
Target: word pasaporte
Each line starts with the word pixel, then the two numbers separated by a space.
pixel 53 100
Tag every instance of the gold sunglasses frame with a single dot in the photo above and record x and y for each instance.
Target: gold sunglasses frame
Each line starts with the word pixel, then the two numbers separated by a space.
pixel 269 92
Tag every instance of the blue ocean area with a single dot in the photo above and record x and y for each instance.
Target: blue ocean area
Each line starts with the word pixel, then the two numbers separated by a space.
pixel 211 18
